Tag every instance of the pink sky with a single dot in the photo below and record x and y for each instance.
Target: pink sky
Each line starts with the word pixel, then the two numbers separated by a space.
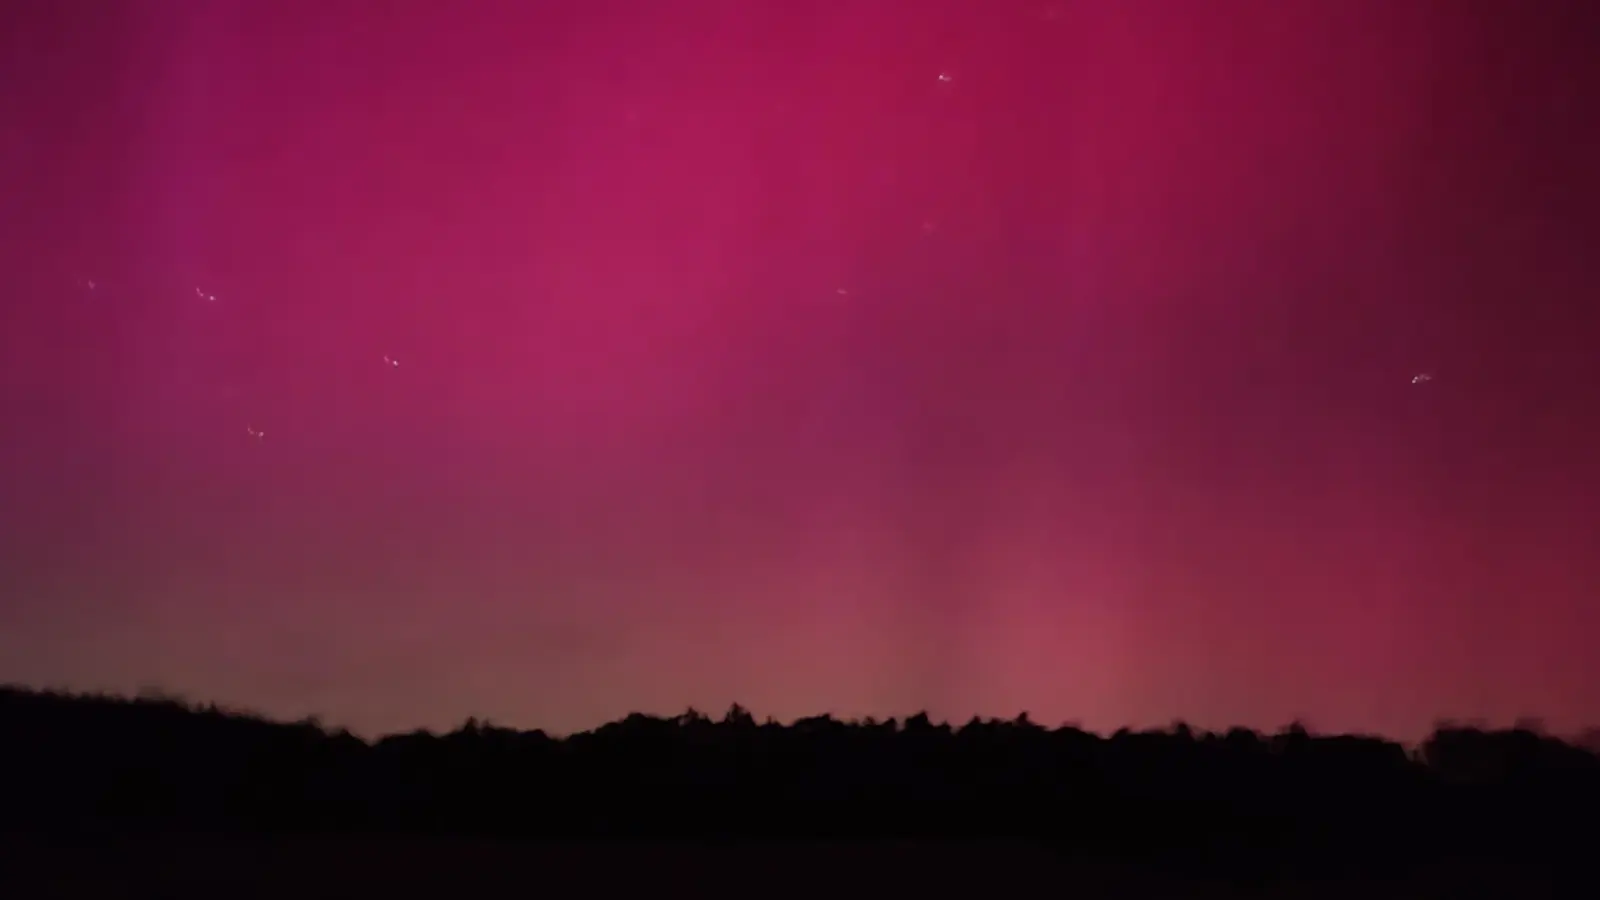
pixel 1113 421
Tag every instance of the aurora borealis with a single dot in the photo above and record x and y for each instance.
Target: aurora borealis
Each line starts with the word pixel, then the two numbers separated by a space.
pixel 617 355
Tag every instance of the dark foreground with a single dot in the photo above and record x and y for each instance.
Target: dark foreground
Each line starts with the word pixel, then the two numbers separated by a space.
pixel 102 796
pixel 302 869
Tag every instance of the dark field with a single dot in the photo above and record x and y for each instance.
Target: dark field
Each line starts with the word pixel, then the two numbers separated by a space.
pixel 350 868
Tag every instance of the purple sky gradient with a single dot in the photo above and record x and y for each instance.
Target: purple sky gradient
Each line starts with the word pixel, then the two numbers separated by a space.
pixel 1112 422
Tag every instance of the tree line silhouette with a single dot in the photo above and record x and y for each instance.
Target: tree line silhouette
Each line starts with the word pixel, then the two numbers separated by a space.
pixel 95 763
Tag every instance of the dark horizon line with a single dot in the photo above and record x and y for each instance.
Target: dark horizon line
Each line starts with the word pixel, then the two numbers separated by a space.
pixel 1586 737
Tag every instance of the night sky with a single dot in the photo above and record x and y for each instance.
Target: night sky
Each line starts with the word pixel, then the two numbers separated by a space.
pixel 546 361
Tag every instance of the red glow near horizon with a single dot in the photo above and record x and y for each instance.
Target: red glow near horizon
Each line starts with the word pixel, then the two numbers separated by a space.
pixel 743 357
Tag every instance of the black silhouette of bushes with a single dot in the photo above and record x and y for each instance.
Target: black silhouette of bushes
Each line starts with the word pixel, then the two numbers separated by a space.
pixel 156 765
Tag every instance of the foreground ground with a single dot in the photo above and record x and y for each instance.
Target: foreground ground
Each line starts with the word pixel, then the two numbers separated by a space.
pixel 349 868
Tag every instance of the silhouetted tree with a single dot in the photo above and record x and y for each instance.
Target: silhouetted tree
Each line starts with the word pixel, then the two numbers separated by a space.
pixel 155 762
